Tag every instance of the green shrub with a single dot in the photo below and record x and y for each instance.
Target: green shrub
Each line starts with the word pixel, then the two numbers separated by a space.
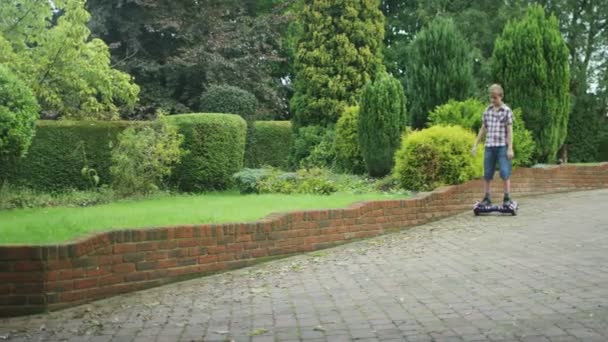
pixel 216 147
pixel 348 153
pixel 382 121
pixel 314 148
pixel 144 156
pixel 18 114
pixel 468 114
pixel 59 152
pixel 21 198
pixel 585 129
pixel 440 155
pixel 247 180
pixel 229 100
pixel 311 181
pixel 269 143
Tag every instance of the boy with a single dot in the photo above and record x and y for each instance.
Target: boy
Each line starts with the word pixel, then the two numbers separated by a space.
pixel 497 126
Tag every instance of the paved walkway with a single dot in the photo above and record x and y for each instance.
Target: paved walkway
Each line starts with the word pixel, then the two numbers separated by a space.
pixel 540 276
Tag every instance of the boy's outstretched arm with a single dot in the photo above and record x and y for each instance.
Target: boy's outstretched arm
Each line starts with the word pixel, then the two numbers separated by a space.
pixel 482 133
pixel 510 153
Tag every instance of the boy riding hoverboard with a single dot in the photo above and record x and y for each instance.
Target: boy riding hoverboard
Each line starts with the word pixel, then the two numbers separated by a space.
pixel 497 126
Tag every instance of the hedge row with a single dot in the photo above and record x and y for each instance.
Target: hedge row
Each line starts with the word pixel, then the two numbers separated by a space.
pixel 58 153
pixel 60 149
pixel 269 143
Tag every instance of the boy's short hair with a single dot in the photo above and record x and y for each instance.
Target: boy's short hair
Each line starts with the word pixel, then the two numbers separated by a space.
pixel 496 87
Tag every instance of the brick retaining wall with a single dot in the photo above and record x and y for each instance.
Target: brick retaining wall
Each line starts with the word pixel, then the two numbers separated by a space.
pixel 38 278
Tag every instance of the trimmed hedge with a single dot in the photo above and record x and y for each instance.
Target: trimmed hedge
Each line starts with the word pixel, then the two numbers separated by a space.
pixel 215 144
pixel 269 143
pixel 59 151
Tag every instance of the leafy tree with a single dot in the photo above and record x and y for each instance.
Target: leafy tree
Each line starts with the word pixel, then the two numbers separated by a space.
pixel 440 68
pixel 177 49
pixel 230 100
pixel 338 52
pixel 143 156
pixel 48 45
pixel 18 114
pixel 531 61
pixel 381 122
pixel 585 129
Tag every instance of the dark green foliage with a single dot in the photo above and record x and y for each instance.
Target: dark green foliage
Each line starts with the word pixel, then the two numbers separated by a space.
pixel 440 68
pixel 348 152
pixel 269 143
pixel 339 51
pixel 314 148
pixel 436 156
pixel 18 114
pixel 21 198
pixel 59 152
pixel 381 122
pixel 215 144
pixel 229 100
pixel 531 61
pixel 308 181
pixel 585 129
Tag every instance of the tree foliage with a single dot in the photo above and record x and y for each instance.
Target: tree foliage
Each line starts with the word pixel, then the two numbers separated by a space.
pixel 48 45
pixel 531 61
pixel 18 113
pixel 440 68
pixel 177 49
pixel 381 122
pixel 585 129
pixel 338 52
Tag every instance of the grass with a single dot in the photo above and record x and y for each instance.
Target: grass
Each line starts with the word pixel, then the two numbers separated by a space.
pixel 52 225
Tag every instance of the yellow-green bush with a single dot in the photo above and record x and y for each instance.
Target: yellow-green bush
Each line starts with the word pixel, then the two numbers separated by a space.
pixel 215 144
pixel 440 155
pixel 348 153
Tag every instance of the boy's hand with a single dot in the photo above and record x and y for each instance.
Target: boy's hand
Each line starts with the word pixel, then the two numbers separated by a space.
pixel 510 154
pixel 474 150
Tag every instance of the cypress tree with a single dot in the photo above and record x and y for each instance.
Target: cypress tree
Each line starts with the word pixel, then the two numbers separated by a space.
pixel 531 61
pixel 339 50
pixel 382 120
pixel 440 69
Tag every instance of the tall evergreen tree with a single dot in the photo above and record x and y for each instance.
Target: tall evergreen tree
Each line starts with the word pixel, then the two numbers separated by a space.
pixel 338 53
pixel 440 69
pixel 381 122
pixel 531 61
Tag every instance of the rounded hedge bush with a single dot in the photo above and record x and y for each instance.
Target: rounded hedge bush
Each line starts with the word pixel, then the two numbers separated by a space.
pixel 59 152
pixel 229 100
pixel 440 155
pixel 215 147
pixel 18 113
pixel 269 143
pixel 348 153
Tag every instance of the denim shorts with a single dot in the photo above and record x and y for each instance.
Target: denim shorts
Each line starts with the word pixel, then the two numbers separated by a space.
pixel 496 154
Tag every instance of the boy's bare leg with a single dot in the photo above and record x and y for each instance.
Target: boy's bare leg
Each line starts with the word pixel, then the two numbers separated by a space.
pixel 507 186
pixel 487 187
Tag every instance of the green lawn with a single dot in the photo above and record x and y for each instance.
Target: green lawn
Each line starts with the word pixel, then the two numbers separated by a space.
pixel 49 225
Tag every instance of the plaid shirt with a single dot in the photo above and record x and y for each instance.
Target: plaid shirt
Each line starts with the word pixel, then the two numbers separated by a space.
pixel 496 123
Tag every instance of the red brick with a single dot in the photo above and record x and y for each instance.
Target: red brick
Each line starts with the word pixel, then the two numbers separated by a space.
pixel 188 243
pixel 156 255
pixel 167 263
pixel 85 284
pixel 111 279
pixel 59 286
pixel 139 276
pixel 147 246
pixel 123 268
pixel 72 296
pixel 125 248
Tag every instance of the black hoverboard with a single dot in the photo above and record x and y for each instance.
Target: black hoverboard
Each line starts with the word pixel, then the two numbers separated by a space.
pixel 480 209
